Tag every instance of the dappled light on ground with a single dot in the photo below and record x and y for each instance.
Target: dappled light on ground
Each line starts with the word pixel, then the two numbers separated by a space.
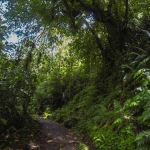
pixel 54 136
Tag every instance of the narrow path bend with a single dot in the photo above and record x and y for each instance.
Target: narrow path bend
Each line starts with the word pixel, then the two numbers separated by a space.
pixel 54 136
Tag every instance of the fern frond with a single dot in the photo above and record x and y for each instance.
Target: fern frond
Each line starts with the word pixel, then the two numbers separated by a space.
pixel 143 139
pixel 140 49
pixel 146 113
pixel 143 62
pixel 140 57
pixel 103 108
pixel 127 66
pixel 134 53
pixel 117 105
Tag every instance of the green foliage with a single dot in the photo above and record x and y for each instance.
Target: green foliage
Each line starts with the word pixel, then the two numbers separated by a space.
pixel 56 91
pixel 107 139
pixel 143 140
pixel 102 123
pixel 77 108
pixel 82 147
pixel 88 62
pixel 138 103
pixel 146 113
pixel 97 121
pixel 50 93
pixel 17 83
pixel 65 79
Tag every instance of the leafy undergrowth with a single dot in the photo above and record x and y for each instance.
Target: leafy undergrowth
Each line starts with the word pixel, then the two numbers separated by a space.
pixel 107 128
pixel 19 138
pixel 120 120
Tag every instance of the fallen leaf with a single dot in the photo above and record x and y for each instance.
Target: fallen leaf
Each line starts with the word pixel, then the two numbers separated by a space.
pixel 33 145
pixel 49 141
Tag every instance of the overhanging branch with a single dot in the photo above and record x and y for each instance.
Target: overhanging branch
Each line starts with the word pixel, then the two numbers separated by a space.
pixel 98 41
pixel 72 18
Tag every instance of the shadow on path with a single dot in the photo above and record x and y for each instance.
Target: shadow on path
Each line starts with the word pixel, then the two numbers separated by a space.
pixel 54 136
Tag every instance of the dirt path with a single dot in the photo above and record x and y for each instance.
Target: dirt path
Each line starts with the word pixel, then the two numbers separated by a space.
pixel 53 136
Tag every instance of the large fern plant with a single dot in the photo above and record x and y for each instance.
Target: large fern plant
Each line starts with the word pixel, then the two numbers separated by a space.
pixel 139 102
pixel 143 138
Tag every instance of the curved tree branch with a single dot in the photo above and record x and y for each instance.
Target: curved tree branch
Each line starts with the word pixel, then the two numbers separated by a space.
pixel 98 41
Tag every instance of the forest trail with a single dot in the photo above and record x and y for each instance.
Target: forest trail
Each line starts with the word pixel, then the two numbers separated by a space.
pixel 54 136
